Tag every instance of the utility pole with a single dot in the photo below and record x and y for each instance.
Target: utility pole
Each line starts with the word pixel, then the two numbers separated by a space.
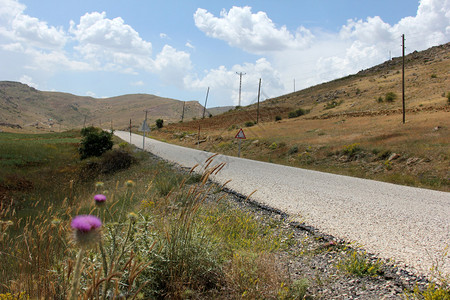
pixel 403 76
pixel 257 107
pixel 240 85
pixel 130 131
pixel 206 100
pixel 204 109
pixel 144 127
pixel 182 114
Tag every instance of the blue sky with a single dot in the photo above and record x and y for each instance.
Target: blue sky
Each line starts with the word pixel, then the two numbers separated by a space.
pixel 178 49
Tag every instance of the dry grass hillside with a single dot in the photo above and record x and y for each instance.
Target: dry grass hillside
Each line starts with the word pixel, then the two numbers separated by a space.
pixel 351 126
pixel 23 107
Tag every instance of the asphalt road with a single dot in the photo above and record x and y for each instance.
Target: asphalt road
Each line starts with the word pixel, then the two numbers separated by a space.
pixel 409 225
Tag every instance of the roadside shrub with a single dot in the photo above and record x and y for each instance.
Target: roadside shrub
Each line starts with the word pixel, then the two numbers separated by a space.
pixel 115 160
pixel 249 124
pixel 448 98
pixel 278 118
pixel 273 146
pixel 159 123
pixel 390 97
pixel 95 142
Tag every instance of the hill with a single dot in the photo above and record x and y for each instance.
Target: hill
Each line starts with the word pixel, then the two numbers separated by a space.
pixel 25 107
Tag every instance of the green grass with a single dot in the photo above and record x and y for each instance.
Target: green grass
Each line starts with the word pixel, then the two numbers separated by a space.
pixel 175 244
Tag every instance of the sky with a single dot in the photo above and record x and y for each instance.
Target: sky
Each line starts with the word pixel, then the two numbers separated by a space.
pixel 177 49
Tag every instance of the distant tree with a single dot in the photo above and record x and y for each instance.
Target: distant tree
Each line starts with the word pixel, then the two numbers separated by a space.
pixel 159 123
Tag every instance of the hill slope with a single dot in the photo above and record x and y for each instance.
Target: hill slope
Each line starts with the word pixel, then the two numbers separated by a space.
pixel 22 106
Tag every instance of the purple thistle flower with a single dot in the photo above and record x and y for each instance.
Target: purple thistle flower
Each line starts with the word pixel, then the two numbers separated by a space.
pixel 86 230
pixel 100 199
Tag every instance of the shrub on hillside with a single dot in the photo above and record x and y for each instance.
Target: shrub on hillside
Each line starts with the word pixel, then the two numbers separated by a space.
pixel 390 97
pixel 277 118
pixel 95 142
pixel 249 124
pixel 297 113
pixel 448 98
pixel 159 123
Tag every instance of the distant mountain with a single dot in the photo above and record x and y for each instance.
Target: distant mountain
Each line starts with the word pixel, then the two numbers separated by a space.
pixel 24 106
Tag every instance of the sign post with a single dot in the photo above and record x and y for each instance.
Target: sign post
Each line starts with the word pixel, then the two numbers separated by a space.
pixel 240 136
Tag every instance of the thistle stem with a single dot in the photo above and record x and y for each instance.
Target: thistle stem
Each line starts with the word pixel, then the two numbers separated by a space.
pixel 76 275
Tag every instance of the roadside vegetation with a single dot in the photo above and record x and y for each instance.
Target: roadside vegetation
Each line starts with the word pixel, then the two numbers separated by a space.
pixel 154 232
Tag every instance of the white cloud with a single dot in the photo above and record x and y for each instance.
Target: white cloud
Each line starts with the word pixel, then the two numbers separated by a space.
pixel 28 80
pixel 189 45
pixel 29 31
pixel 254 33
pixel 224 83
pixel 172 65
pixel 138 83
pixel 163 36
pixel 110 44
pixel 90 94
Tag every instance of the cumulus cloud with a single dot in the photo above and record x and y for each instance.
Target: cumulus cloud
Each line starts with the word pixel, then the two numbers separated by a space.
pixel 254 33
pixel 110 43
pixel 225 82
pixel 28 31
pixel 172 65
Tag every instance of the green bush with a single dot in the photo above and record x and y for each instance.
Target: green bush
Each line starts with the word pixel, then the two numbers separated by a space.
pixel 159 123
pixel 390 97
pixel 380 99
pixel 297 113
pixel 249 124
pixel 278 118
pixel 95 142
pixel 332 104
pixel 448 98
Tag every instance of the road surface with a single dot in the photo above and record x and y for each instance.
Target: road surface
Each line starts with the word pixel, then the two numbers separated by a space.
pixel 409 225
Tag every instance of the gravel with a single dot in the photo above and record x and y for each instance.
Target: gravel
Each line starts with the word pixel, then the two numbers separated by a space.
pixel 409 225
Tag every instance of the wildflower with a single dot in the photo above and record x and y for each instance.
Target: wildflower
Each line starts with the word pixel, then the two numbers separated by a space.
pixel 129 183
pixel 132 216
pixel 99 184
pixel 86 230
pixel 56 221
pixel 100 199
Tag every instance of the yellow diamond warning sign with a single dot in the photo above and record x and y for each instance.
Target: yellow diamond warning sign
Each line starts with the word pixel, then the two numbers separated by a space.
pixel 240 135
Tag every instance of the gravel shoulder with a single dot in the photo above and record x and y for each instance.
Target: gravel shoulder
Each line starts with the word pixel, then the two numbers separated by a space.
pixel 408 225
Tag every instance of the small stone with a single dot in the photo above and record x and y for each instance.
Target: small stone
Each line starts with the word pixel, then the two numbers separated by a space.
pixel 393 156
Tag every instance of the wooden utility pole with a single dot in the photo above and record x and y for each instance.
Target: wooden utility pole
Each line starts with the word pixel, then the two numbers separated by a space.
pixel 204 109
pixel 240 85
pixel 130 131
pixel 206 100
pixel 257 107
pixel 403 76
pixel 182 114
pixel 144 127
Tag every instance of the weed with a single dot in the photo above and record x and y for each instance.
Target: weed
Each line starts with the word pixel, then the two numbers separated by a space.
pixel 293 150
pixel 351 149
pixel 273 146
pixel 333 104
pixel 380 99
pixel 433 76
pixel 358 264
pixel 390 97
